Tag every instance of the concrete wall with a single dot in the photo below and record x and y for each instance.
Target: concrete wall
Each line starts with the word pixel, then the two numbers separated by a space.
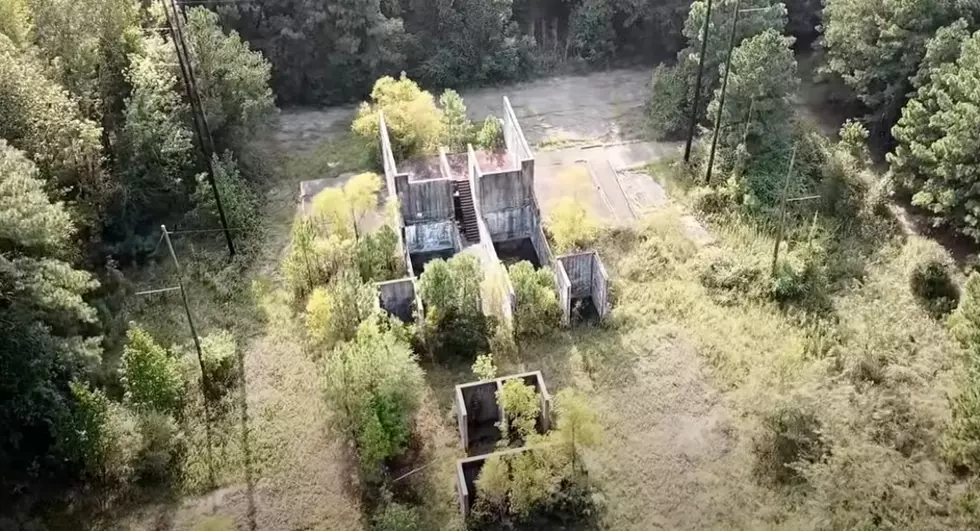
pixel 491 265
pixel 431 237
pixel 510 224
pixel 513 134
pixel 423 201
pixel 588 278
pixel 397 297
pixel 478 409
pixel 505 190
pixel 467 472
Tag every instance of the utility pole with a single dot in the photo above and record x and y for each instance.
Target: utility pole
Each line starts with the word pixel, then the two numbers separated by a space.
pixel 197 346
pixel 697 85
pixel 782 211
pixel 201 127
pixel 724 89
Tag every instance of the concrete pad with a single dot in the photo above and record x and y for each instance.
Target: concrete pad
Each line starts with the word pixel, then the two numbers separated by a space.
pixel 564 175
pixel 643 192
pixel 308 190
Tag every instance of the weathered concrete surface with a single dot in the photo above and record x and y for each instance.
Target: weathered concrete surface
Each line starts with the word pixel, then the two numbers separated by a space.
pixel 431 237
pixel 397 297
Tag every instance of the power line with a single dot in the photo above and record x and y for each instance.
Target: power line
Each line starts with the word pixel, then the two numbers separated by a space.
pixel 205 141
pixel 697 86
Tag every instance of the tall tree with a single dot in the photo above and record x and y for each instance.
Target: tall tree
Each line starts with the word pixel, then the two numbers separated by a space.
pixel 39 118
pixel 936 155
pixel 876 47
pixel 45 324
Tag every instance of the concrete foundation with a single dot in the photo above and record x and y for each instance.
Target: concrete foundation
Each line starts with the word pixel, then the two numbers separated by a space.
pixel 478 410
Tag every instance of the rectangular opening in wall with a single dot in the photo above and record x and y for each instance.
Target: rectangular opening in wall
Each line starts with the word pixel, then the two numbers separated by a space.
pixel 512 251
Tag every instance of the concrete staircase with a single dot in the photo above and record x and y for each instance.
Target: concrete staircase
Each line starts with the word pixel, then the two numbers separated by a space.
pixel 468 224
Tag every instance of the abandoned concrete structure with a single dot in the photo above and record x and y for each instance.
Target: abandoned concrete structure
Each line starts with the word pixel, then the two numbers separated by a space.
pixel 483 203
pixel 478 412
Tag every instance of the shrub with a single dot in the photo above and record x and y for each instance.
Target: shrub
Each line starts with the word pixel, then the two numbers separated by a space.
pixel 454 325
pixel 457 335
pixel 961 442
pixel 931 281
pixel 521 408
pixel 162 446
pixel 570 226
pixel 789 437
pixel 537 309
pixel 397 517
pixel 413 120
pixel 339 211
pixel 491 135
pixel 668 106
pixel 377 256
pixel 484 368
pixel 800 276
pixel 150 375
pixel 576 424
pixel 220 363
pixel 238 199
pixel 334 313
pixel 104 439
pixel 730 278
pixel 373 385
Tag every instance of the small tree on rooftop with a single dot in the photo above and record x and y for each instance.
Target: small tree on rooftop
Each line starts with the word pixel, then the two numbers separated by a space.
pixel 491 135
pixel 457 128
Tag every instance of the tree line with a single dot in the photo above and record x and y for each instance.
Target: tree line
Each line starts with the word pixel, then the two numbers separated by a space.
pixel 96 151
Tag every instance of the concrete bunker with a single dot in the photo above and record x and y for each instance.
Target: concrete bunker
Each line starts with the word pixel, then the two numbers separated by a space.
pixel 588 296
pixel 478 410
pixel 467 472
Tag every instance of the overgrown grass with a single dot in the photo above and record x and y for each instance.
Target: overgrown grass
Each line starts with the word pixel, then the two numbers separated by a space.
pixel 345 153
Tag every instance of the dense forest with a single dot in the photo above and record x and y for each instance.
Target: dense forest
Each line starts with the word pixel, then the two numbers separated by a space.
pixel 99 148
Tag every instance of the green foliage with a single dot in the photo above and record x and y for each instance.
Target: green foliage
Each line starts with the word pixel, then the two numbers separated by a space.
pixel 232 79
pixel 220 363
pixel 591 33
pixel 760 87
pixel 378 258
pixel 668 106
pixel 15 21
pixel 537 311
pixel 414 123
pixel 484 368
pixel 876 47
pixel 334 313
pixel 104 438
pixel 238 199
pixel 150 375
pixel 38 118
pixel 491 135
pixel 933 156
pixel 457 129
pixel 311 260
pixel 577 424
pixel 162 446
pixel 455 327
pixel 570 227
pixel 397 517
pixel 373 385
pixel 962 438
pixel 521 407
pixel 931 281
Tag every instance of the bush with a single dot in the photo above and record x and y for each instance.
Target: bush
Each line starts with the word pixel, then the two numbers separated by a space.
pixel 800 276
pixel 484 368
pixel 537 309
pixel 729 278
pixel 931 281
pixel 414 122
pixel 162 446
pixel 455 326
pixel 105 438
pixel 373 385
pixel 377 256
pixel 961 442
pixel 521 408
pixel 491 135
pixel 570 226
pixel 238 199
pixel 340 211
pixel 789 437
pixel 334 313
pixel 668 106
pixel 220 363
pixel 397 517
pixel 150 375
pixel 457 335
